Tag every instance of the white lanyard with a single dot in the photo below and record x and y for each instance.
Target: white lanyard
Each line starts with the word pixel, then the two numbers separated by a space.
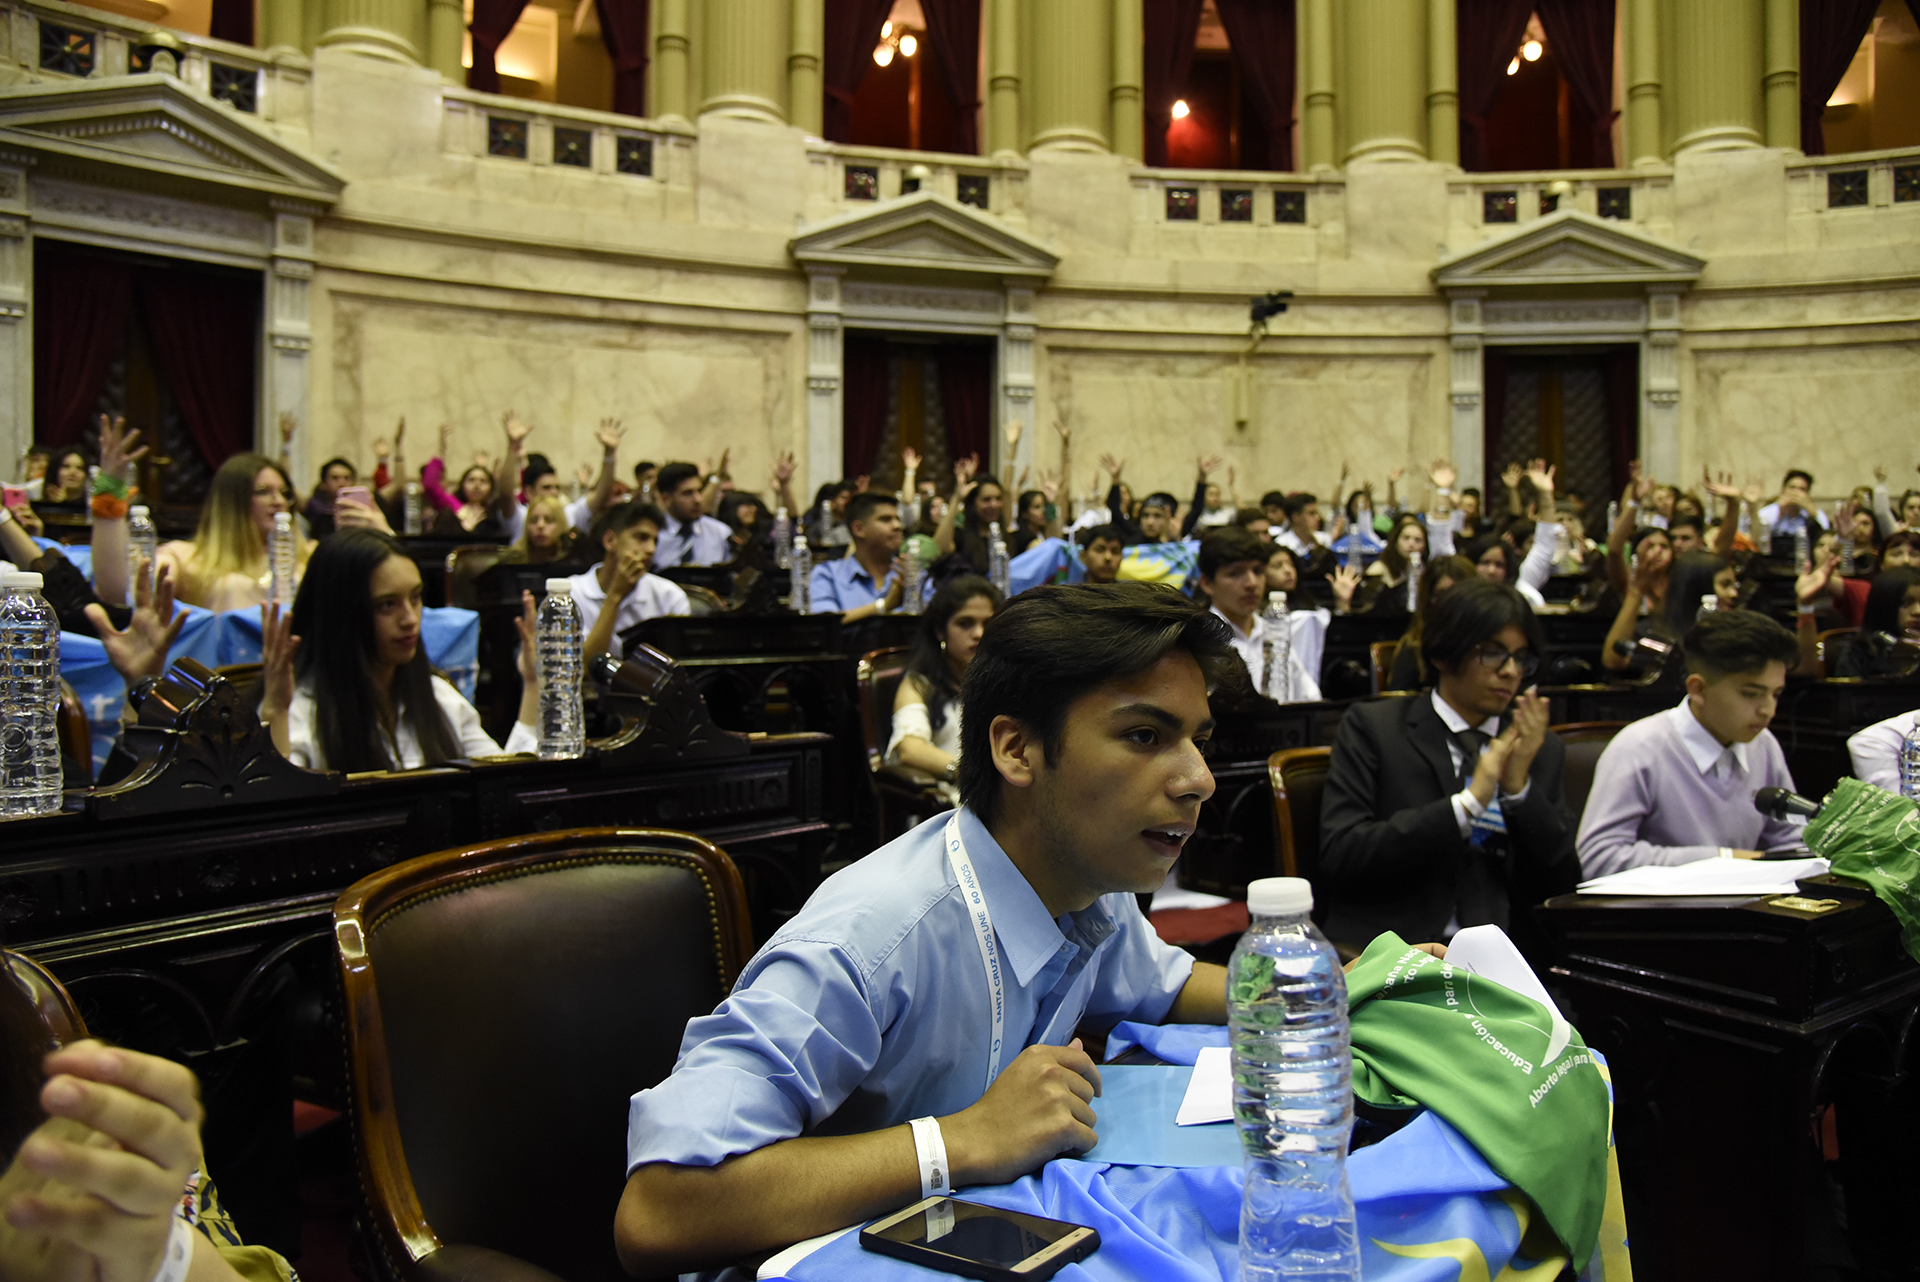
pixel 976 904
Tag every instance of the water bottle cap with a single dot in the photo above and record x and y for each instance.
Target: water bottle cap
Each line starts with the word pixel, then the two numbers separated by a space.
pixel 283 518
pixel 138 509
pixel 1279 897
pixel 560 587
pixel 26 580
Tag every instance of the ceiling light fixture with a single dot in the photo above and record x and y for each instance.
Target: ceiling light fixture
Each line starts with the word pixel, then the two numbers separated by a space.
pixel 1513 68
pixel 886 29
pixel 908 46
pixel 1180 109
pixel 883 55
pixel 1532 50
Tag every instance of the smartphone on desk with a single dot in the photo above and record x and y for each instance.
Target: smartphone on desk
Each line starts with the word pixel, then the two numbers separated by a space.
pixel 979 1241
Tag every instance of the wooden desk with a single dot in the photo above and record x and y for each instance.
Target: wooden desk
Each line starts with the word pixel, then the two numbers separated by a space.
pixel 1731 1026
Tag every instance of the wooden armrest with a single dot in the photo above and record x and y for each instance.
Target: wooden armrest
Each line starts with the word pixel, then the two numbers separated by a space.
pixel 455 1263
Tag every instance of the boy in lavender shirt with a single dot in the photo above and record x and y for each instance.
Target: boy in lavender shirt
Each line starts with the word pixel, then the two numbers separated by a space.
pixel 1678 786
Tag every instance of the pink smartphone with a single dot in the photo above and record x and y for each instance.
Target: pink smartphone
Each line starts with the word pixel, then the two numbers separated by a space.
pixel 358 493
pixel 15 495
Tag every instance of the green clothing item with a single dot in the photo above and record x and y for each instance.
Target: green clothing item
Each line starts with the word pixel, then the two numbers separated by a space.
pixel 1524 1090
pixel 1873 835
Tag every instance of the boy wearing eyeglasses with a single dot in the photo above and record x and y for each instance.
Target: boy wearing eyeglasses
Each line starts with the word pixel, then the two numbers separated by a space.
pixel 1447 809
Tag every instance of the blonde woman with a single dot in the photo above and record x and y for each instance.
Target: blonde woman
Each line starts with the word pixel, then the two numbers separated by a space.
pixel 547 535
pixel 224 566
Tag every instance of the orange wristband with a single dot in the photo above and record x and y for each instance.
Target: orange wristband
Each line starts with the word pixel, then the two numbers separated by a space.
pixel 109 508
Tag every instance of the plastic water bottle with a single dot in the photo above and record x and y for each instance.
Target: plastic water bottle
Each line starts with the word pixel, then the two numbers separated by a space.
pixel 1276 650
pixel 1416 565
pixel 414 510
pixel 913 578
pixel 557 634
pixel 999 568
pixel 1802 553
pixel 800 576
pixel 280 559
pixel 1910 764
pixel 782 536
pixel 30 780
pixel 1843 537
pixel 1292 1091
pixel 1709 604
pixel 1746 525
pixel 143 544
pixel 1613 515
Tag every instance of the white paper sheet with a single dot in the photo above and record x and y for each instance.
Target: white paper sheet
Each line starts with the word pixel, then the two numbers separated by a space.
pixel 1486 951
pixel 1209 1096
pixel 1709 877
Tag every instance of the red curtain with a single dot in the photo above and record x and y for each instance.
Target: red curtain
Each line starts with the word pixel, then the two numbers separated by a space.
pixel 853 29
pixel 1493 426
pixel 80 303
pixel 1171 27
pixel 205 329
pixel 1489 33
pixel 1623 413
pixel 1580 33
pixel 623 26
pixel 232 20
pixel 865 389
pixel 953 29
pixel 1261 35
pixel 1830 34
pixel 492 22
pixel 966 394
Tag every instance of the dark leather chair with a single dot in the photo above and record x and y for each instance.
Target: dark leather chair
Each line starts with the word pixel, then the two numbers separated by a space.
pixel 1585 741
pixel 702 602
pixel 903 795
pixel 76 739
pixel 503 1001
pixel 465 565
pixel 1298 777
pixel 1828 647
pixel 1382 654
pixel 49 997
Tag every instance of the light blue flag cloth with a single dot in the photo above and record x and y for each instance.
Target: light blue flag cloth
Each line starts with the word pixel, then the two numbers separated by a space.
pixel 80 554
pixel 451 636
pixel 1427 1207
pixel 1046 561
pixel 1176 564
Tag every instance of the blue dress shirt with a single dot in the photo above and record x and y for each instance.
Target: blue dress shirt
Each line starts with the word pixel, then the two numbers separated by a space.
pixel 839 586
pixel 870 1007
pixel 702 541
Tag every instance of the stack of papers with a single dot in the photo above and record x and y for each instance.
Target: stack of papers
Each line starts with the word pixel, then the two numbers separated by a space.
pixel 1709 877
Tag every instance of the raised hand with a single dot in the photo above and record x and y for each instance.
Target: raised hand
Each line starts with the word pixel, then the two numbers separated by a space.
pixel 584 472
pixel 1510 476
pixel 1060 426
pixel 288 425
pixel 400 435
pixel 783 467
pixel 1012 431
pixel 1346 581
pixel 116 446
pixel 277 648
pixel 1050 485
pixel 528 660
pixel 609 434
pixel 446 440
pixel 382 449
pixel 483 459
pixel 1441 472
pixel 1112 467
pixel 909 461
pixel 141 650
pixel 516 430
pixel 1808 588
pixel 1880 473
pixel 1210 463
pixel 1721 487
pixel 1755 491
pixel 1393 477
pixel 964 468
pixel 1541 475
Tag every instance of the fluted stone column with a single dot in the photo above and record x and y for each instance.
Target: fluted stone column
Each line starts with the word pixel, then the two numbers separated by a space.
pixel 670 53
pixel 1317 94
pixel 446 31
pixel 1071 48
pixel 388 29
pixel 1127 95
pixel 1782 84
pixel 1645 134
pixel 1443 82
pixel 283 24
pixel 743 59
pixel 1385 81
pixel 1004 25
pixel 806 58
pixel 1716 50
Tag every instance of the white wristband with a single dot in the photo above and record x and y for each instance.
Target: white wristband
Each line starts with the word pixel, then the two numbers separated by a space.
pixel 931 1146
pixel 6 514
pixel 179 1254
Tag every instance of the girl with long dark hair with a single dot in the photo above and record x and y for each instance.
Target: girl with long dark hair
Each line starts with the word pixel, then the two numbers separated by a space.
pixel 1441 573
pixel 1891 619
pixel 967 531
pixel 926 711
pixel 347 683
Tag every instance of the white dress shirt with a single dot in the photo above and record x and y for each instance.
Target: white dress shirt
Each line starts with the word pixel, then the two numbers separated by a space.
pixel 652 597
pixel 701 541
pixel 403 746
pixel 1251 647
pixel 1288 539
pixel 1876 750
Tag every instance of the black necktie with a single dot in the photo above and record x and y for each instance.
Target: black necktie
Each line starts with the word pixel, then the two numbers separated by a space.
pixel 686 536
pixel 1472 743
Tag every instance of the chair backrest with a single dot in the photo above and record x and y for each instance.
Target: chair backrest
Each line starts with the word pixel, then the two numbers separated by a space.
pixel 503 1003
pixel 1828 647
pixel 465 565
pixel 49 997
pixel 76 739
pixel 878 678
pixel 702 602
pixel 1383 654
pixel 1585 741
pixel 1298 777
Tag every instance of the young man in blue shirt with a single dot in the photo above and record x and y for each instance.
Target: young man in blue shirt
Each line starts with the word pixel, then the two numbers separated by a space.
pixel 912 1029
pixel 868 579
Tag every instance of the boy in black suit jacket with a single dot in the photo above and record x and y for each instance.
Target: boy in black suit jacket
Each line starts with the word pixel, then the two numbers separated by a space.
pixel 1446 809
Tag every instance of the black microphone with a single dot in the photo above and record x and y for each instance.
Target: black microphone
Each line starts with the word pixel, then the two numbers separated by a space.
pixel 1778 803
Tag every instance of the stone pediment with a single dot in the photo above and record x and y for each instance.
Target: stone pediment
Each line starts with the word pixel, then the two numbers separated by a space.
pixel 1570 248
pixel 155 125
pixel 925 231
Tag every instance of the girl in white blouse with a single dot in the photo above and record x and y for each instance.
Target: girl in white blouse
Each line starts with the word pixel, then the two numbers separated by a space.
pixel 926 711
pixel 347 683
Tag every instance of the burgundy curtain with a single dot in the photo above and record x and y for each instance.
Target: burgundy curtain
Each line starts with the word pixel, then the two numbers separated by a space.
pixel 1623 413
pixel 953 29
pixel 232 20
pixel 1489 33
pixel 1493 426
pixel 1261 34
pixel 492 22
pixel 864 392
pixel 1171 27
pixel 1830 34
pixel 623 26
pixel 205 329
pixel 80 303
pixel 853 29
pixel 966 394
pixel 1580 33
